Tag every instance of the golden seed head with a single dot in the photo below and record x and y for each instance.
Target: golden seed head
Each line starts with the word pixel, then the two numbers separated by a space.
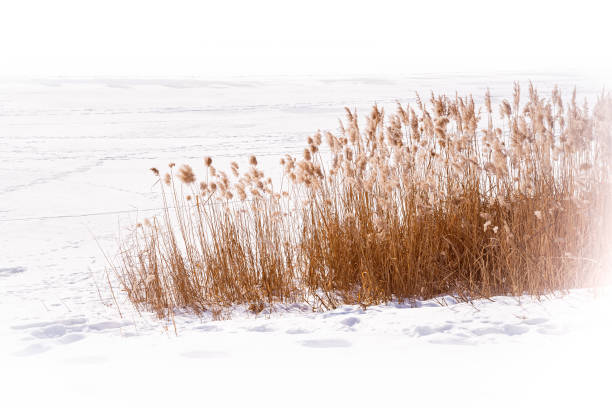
pixel 348 153
pixel 330 139
pixel 186 174
pixel 307 155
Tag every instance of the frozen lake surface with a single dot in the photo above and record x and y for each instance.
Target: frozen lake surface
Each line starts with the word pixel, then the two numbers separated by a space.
pixel 74 160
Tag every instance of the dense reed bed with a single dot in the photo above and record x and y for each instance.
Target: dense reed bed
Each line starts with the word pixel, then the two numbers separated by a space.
pixel 437 198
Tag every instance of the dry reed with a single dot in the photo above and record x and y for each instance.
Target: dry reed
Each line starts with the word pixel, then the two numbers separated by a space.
pixel 421 202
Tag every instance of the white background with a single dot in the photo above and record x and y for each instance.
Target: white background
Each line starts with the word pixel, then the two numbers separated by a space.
pixel 221 38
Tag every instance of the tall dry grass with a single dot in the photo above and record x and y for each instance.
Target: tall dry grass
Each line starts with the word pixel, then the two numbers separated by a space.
pixel 437 198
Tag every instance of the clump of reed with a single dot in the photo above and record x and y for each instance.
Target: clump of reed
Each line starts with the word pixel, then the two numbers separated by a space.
pixel 433 199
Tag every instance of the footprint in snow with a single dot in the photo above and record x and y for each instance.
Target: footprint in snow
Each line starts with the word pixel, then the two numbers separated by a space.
pixel 66 322
pixel 50 332
pixel 297 331
pixel 483 331
pixel 535 321
pixel 208 328
pixel 507 329
pixel 514 330
pixel 11 271
pixel 350 321
pixel 261 329
pixel 421 331
pixel 108 325
pixel 68 330
pixel 71 338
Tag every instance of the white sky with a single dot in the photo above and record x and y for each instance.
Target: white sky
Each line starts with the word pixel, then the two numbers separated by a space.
pixel 224 37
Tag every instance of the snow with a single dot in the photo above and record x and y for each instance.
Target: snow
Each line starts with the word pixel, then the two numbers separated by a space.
pixel 75 176
pixel 505 351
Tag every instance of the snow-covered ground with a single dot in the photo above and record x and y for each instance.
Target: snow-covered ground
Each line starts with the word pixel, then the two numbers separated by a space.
pixel 74 160
pixel 501 353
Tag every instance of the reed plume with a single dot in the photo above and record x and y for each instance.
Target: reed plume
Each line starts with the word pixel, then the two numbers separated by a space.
pixel 427 200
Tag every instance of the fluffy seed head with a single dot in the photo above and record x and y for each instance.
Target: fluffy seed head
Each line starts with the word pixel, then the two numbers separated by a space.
pixel 186 174
pixel 307 155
